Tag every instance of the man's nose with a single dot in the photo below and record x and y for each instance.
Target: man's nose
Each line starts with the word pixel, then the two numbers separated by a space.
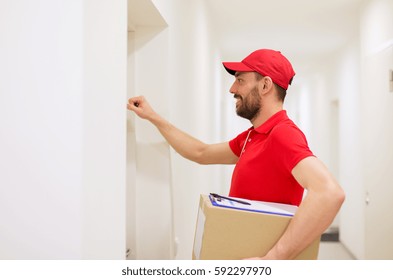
pixel 233 88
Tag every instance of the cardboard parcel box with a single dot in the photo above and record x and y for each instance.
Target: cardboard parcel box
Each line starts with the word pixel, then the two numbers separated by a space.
pixel 227 230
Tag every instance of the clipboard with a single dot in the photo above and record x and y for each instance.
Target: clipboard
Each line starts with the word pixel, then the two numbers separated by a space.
pixel 253 205
pixel 221 231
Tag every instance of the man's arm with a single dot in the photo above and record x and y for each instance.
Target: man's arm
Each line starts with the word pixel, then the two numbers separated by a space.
pixel 316 212
pixel 186 145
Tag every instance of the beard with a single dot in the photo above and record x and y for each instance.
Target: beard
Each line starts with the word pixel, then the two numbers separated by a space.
pixel 249 106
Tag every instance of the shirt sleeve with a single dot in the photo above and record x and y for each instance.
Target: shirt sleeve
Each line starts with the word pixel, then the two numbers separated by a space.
pixel 290 146
pixel 237 143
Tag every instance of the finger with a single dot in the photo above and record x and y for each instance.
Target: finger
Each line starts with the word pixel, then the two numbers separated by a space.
pixel 136 101
pixel 131 106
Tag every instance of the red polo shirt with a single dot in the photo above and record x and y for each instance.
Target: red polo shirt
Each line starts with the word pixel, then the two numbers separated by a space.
pixel 272 150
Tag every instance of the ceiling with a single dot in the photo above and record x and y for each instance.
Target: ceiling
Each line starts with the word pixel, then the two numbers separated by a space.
pixel 302 29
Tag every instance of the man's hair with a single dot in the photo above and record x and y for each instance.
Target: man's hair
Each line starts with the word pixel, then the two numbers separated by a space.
pixel 281 92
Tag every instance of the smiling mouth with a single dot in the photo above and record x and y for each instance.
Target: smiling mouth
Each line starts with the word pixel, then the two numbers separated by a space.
pixel 238 99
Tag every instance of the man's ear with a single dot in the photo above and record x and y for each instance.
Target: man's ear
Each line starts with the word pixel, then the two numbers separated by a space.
pixel 265 85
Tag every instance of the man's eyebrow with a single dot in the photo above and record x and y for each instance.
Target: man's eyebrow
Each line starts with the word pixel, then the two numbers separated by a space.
pixel 237 74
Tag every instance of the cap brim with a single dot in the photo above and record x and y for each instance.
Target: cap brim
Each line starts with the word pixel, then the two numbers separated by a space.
pixel 233 67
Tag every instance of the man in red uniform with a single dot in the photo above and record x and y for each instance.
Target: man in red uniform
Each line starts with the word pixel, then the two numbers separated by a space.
pixel 273 161
pixel 270 150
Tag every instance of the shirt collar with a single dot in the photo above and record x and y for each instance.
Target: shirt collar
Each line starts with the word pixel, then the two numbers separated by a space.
pixel 268 125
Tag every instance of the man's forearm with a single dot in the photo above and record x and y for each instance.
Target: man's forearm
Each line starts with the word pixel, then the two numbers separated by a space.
pixel 313 217
pixel 183 143
pixel 186 145
pixel 316 212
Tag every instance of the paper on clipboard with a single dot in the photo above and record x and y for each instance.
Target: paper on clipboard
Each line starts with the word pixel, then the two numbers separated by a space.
pixel 254 206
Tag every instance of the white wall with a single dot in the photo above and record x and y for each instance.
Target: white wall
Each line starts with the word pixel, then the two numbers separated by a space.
pixel 360 82
pixel 131 173
pixel 350 150
pixel 41 142
pixel 153 182
pixel 62 128
pixel 104 129
pixel 377 59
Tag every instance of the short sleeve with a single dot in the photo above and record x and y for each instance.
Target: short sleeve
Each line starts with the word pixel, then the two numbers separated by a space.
pixel 237 143
pixel 290 145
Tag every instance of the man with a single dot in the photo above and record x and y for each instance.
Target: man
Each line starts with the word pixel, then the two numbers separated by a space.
pixel 273 161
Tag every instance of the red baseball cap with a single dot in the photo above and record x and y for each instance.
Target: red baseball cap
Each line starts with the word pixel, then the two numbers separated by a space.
pixel 267 63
